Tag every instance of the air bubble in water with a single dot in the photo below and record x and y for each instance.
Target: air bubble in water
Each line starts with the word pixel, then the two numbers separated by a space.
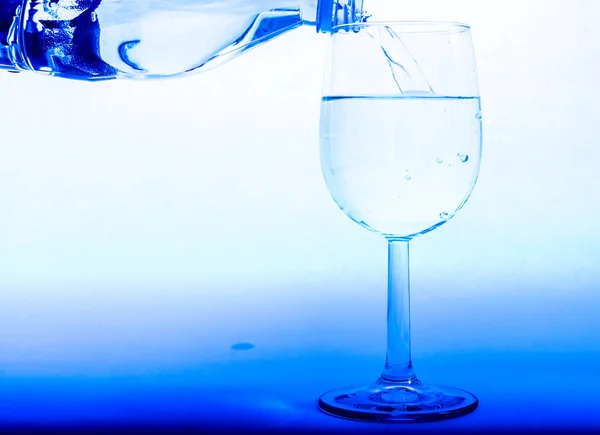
pixel 463 157
pixel 444 215
pixel 408 177
pixel 478 116
pixel 440 160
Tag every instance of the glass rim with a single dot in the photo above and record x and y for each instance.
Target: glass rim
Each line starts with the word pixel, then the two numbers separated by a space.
pixel 410 26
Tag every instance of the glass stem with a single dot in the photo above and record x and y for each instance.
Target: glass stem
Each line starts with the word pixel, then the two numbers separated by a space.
pixel 398 364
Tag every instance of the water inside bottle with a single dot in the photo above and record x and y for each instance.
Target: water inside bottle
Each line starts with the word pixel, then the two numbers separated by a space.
pixel 140 39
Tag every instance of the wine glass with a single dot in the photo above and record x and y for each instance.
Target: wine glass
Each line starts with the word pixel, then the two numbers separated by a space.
pixel 400 152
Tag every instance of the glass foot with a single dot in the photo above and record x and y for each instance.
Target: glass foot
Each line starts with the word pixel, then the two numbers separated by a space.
pixel 398 402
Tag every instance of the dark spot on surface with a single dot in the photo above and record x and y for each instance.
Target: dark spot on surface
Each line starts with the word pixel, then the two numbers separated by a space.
pixel 242 346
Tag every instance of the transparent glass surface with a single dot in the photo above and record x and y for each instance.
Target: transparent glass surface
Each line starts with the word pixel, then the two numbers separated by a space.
pixel 400 150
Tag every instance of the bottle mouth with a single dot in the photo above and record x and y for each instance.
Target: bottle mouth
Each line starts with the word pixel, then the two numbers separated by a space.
pixel 335 13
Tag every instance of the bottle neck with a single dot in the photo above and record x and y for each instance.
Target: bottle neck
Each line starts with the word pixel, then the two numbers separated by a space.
pixel 332 13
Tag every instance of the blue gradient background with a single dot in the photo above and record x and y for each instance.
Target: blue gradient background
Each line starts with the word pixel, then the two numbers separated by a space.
pixel 146 228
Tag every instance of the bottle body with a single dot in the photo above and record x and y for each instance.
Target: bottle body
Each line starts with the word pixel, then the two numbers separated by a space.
pixel 142 39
